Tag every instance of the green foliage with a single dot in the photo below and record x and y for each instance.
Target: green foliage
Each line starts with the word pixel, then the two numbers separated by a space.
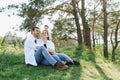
pixel 32 12
pixel 88 56
pixel 1 39
pixel 117 61
pixel 32 17
pixel 10 44
pixel 63 32
pixel 63 29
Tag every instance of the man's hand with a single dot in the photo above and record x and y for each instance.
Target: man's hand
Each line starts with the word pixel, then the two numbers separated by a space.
pixel 37 47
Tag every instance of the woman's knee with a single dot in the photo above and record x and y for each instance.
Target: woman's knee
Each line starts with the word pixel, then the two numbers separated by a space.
pixel 42 47
pixel 62 54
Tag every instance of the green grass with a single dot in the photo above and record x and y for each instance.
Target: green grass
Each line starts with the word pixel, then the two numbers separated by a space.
pixel 93 67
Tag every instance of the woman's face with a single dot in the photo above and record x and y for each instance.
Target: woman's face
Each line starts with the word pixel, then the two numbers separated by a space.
pixel 44 34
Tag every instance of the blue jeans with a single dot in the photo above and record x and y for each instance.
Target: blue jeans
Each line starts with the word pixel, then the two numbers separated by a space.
pixel 42 52
pixel 58 57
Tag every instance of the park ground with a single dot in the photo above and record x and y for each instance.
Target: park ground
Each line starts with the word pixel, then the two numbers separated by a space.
pixel 93 67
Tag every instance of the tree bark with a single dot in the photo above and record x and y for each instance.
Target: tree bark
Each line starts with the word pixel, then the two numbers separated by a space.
pixel 115 44
pixel 93 30
pixel 105 47
pixel 75 13
pixel 86 29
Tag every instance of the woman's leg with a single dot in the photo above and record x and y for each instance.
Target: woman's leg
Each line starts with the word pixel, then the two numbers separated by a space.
pixel 64 57
pixel 57 58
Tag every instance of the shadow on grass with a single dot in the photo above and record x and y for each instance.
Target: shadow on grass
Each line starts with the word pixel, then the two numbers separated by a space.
pixel 91 57
pixel 76 70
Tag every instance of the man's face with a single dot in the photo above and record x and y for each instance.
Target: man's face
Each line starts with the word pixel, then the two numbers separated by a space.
pixel 36 32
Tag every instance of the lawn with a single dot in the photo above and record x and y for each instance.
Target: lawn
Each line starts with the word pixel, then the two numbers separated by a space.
pixel 12 67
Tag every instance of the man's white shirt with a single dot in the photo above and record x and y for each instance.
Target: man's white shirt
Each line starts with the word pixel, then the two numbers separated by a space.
pixel 29 48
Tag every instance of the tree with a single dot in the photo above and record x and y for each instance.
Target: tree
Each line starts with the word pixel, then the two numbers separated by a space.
pixel 35 10
pixel 75 13
pixel 32 12
pixel 10 39
pixel 86 29
pixel 94 13
pixel 116 41
pixel 64 30
pixel 105 46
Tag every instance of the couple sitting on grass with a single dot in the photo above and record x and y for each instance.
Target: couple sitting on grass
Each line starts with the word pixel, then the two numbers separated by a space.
pixel 42 51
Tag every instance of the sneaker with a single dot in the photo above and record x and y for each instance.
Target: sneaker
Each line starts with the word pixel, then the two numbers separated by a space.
pixel 76 62
pixel 60 66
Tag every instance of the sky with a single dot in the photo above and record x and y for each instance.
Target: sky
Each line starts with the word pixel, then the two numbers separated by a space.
pixel 8 22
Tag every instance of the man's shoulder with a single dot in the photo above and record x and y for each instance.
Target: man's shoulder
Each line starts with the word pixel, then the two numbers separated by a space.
pixel 30 36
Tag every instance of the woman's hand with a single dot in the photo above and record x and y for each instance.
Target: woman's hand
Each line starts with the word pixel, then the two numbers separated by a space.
pixel 51 51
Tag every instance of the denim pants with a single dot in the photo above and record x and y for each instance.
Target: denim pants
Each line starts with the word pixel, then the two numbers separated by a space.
pixel 42 52
pixel 61 58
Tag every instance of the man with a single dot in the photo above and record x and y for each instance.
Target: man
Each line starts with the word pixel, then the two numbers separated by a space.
pixel 46 27
pixel 35 53
pixel 62 58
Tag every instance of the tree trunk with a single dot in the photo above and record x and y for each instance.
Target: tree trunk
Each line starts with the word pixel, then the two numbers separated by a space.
pixel 105 47
pixel 86 29
pixel 93 31
pixel 75 13
pixel 115 44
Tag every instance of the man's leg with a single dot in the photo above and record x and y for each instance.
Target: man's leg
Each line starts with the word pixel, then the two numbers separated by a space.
pixel 42 52
pixel 38 56
pixel 45 62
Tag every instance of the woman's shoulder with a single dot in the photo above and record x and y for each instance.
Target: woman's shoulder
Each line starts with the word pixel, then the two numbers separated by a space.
pixel 49 41
pixel 39 39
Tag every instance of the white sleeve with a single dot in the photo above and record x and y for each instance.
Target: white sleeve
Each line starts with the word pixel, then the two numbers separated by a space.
pixel 52 46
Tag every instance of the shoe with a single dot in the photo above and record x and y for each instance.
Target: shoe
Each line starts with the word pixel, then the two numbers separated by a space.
pixel 69 63
pixel 60 66
pixel 76 62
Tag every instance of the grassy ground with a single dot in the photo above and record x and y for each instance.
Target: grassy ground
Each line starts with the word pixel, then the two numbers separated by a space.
pixel 93 67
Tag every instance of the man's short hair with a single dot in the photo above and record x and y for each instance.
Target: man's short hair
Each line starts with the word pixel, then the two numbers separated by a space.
pixel 33 28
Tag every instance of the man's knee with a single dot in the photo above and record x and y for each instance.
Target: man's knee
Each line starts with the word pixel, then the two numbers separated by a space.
pixel 42 47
